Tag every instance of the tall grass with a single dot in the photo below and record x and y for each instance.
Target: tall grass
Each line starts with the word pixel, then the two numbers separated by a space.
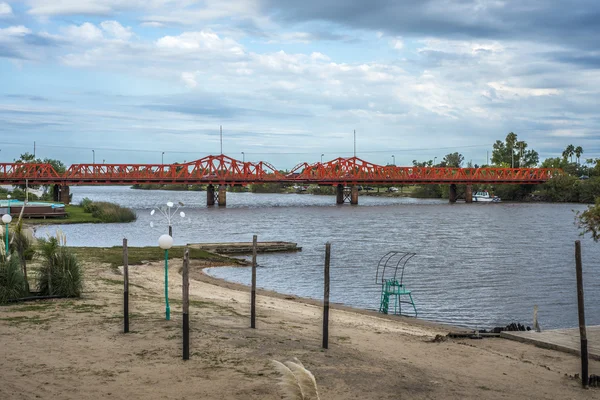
pixel 60 273
pixel 108 212
pixel 12 281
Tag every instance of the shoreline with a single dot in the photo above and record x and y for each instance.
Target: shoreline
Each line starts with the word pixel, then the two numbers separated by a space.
pixel 421 323
pixel 76 348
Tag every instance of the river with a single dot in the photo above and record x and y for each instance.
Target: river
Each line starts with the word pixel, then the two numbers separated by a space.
pixel 476 265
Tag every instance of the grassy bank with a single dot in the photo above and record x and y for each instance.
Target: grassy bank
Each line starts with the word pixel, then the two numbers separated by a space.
pixel 89 213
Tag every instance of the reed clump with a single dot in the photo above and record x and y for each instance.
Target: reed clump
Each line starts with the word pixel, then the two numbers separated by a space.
pixel 61 273
pixel 12 281
pixel 108 212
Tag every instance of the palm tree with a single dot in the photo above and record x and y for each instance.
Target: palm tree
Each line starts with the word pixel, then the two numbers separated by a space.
pixel 569 151
pixel 578 152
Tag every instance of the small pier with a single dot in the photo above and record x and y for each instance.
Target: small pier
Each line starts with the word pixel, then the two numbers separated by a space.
pixel 566 340
pixel 246 247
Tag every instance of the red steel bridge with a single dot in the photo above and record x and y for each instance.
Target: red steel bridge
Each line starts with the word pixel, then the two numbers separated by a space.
pixel 223 170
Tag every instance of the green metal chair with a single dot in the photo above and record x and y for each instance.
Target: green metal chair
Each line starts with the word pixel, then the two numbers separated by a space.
pixel 392 290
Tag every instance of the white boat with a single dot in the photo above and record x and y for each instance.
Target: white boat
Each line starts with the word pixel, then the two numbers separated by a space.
pixel 484 197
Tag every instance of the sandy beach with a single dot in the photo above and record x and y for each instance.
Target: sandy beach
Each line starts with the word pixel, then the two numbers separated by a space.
pixel 75 349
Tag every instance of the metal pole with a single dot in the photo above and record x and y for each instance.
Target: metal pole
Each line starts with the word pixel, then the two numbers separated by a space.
pixel 6 240
pixel 243 157
pixel 581 308
pixel 487 157
pixel 167 309
pixel 186 305
pixel 326 297
pixel 126 288
pixel 253 293
pixel 162 158
pixel 93 157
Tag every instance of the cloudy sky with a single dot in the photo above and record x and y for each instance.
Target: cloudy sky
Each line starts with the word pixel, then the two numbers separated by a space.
pixel 290 80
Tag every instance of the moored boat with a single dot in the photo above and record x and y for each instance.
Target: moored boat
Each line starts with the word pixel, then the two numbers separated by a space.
pixel 484 197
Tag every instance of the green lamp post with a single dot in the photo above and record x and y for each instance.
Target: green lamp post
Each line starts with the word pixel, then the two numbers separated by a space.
pixel 6 219
pixel 165 242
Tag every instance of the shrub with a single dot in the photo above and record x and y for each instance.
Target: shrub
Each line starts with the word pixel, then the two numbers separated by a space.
pixel 12 281
pixel 87 205
pixel 60 273
pixel 108 212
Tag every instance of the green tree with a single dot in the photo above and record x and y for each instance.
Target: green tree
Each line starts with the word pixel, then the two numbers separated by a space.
pixel 454 160
pixel 513 153
pixel 589 220
pixel 578 153
pixel 568 152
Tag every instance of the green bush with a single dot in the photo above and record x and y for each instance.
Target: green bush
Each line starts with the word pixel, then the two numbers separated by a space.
pixel 60 273
pixel 108 212
pixel 12 281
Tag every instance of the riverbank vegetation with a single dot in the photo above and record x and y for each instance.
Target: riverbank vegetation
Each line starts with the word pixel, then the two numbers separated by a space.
pixel 108 212
pixel 58 274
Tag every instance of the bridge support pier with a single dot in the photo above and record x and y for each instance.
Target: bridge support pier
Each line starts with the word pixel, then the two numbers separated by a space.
pixel 56 193
pixel 452 194
pixel 222 195
pixel 61 194
pixel 354 195
pixel 210 195
pixel 469 194
pixel 339 194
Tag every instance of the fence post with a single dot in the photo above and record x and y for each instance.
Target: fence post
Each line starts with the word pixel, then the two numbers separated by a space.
pixel 253 293
pixel 326 297
pixel 125 288
pixel 581 308
pixel 186 305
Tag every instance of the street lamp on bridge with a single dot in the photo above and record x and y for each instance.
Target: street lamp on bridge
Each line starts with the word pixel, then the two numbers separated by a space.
pixel 394 158
pixel 243 157
pixel 322 158
pixel 93 157
pixel 434 158
pixel 162 158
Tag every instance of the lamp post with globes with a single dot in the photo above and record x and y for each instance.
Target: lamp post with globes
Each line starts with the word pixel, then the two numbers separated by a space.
pixel 6 219
pixel 165 242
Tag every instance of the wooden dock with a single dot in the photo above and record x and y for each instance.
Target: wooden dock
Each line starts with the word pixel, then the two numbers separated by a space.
pixel 246 247
pixel 566 340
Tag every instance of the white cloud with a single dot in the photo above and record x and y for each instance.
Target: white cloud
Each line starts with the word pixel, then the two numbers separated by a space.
pixel 189 79
pixel 397 43
pixel 116 30
pixel 86 32
pixel 14 31
pixel 5 10
pixel 153 24
pixel 523 91
pixel 190 42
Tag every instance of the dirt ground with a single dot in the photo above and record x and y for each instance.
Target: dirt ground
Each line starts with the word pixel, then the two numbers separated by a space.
pixel 75 349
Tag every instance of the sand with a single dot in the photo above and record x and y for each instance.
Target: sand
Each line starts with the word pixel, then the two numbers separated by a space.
pixel 75 349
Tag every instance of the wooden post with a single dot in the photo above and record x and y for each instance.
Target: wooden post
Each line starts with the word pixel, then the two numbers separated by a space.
pixel 186 305
pixel 49 281
pixel 126 288
pixel 580 306
pixel 253 293
pixel 326 297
